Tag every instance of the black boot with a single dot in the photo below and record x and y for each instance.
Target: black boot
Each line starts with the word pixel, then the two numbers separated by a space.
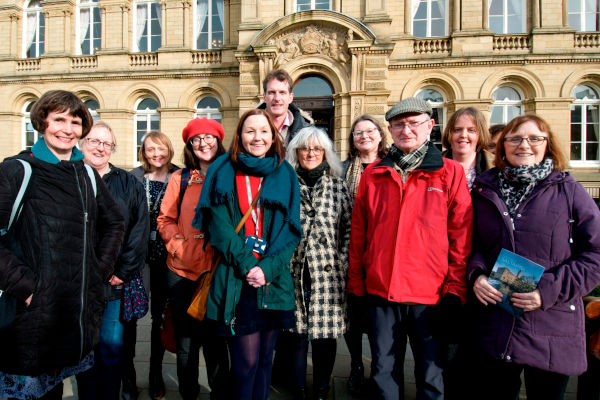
pixel 356 380
pixel 156 389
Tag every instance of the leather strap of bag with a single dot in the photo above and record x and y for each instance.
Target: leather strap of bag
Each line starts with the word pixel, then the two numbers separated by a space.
pixel 247 214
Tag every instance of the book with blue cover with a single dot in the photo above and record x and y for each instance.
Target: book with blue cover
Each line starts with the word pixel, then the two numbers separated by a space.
pixel 513 273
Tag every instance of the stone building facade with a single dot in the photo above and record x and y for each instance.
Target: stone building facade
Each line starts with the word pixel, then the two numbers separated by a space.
pixel 144 64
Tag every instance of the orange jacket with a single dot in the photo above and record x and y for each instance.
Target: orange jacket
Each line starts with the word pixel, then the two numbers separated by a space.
pixel 187 257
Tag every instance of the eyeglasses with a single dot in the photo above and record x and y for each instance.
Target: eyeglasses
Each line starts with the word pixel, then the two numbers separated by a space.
pixel 96 143
pixel 457 131
pixel 531 140
pixel 368 132
pixel 316 150
pixel 208 139
pixel 412 125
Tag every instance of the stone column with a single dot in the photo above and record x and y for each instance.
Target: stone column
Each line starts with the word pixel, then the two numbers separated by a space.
pixel 486 15
pixel 456 16
pixel 535 14
pixel 407 17
pixel 565 13
pixel 115 25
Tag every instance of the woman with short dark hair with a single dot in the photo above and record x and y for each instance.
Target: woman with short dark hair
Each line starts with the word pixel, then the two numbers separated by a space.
pixel 252 294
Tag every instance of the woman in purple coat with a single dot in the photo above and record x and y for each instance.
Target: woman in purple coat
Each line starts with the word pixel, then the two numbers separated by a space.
pixel 530 206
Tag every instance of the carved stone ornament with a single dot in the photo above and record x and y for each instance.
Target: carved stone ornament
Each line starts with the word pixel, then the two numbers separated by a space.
pixel 310 40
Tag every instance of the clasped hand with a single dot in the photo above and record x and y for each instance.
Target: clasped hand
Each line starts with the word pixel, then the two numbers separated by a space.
pixel 487 294
pixel 256 277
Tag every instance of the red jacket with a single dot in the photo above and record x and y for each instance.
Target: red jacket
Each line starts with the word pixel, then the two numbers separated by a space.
pixel 410 242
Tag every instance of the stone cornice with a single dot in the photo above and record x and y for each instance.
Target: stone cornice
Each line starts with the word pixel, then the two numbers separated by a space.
pixel 501 60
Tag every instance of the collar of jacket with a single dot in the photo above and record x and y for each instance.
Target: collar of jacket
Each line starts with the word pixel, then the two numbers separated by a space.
pixel 433 160
pixel 489 179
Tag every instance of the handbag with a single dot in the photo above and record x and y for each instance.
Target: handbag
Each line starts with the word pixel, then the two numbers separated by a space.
pixel 197 308
pixel 167 331
pixel 135 299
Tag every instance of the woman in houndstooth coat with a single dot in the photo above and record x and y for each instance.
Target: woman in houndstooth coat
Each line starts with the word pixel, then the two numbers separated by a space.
pixel 320 262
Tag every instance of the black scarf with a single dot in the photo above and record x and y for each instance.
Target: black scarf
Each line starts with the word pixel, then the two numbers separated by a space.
pixel 311 176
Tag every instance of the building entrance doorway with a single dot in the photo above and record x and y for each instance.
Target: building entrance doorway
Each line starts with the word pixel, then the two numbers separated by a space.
pixel 314 95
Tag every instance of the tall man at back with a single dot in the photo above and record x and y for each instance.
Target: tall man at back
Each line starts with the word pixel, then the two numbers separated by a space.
pixel 278 97
pixel 409 244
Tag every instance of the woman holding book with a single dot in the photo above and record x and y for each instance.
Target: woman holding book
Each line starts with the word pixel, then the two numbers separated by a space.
pixel 529 205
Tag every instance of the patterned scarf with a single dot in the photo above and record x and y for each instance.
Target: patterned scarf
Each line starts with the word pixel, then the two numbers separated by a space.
pixel 409 161
pixel 355 170
pixel 516 183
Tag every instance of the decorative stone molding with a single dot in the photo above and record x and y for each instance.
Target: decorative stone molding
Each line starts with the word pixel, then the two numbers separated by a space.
pixel 588 40
pixel 84 62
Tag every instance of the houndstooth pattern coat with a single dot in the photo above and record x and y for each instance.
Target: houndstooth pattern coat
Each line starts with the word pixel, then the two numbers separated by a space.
pixel 325 215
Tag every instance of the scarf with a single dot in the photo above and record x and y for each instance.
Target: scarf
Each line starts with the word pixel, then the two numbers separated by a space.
pixel 280 194
pixel 409 161
pixel 41 151
pixel 517 183
pixel 355 170
pixel 311 176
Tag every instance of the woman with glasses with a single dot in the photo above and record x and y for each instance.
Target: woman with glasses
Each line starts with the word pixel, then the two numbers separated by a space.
pixel 465 138
pixel 103 381
pixel 320 262
pixel 189 257
pixel 252 294
pixel 155 154
pixel 529 205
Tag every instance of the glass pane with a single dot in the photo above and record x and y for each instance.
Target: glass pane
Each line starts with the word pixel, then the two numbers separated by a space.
pixel 154 123
pixel 209 102
pixel 420 28
pixel 430 95
pixel 92 104
pixel 312 86
pixel 590 22
pixel 202 41
pixel 591 152
pixel 514 7
pixel 496 25
pixel 496 115
pixel 436 9
pixel 575 114
pixel 591 132
pixel 322 5
pixel 421 11
pixel 504 93
pixel 514 24
pixel 575 6
pixel 512 111
pixel 438 28
pixel 303 5
pixel 496 7
pixel 155 27
pixel 575 132
pixel 217 39
pixel 154 10
pixel 590 5
pixel 85 47
pixel 216 23
pixel 28 108
pixel 591 114
pixel 583 91
pixel 155 43
pixel 575 151
pixel 149 104
pixel 575 21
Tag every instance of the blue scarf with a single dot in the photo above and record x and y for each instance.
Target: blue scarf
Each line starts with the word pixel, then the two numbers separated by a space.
pixel 280 193
pixel 41 151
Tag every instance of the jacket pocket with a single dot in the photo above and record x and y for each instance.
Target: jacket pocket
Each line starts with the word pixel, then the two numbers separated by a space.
pixel 560 320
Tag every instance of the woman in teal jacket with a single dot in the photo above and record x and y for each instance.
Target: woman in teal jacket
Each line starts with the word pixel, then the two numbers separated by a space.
pixel 252 292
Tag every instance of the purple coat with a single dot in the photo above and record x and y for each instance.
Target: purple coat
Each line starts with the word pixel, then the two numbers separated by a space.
pixel 559 209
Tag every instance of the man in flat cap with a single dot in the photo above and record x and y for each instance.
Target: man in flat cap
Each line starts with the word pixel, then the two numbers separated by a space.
pixel 409 244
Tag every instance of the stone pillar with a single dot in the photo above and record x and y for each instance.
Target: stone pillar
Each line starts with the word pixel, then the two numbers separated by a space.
pixel 115 26
pixel 173 30
pixel 565 13
pixel 57 15
pixel 486 15
pixel 456 26
pixel 407 17
pixel 535 14
pixel 9 29
pixel 121 121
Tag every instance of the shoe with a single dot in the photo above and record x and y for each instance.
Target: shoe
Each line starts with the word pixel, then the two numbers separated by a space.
pixel 356 380
pixel 129 390
pixel 156 387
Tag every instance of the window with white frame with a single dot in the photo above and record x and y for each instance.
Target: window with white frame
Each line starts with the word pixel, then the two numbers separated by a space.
pixel 507 16
pixel 209 23
pixel 584 15
pixel 584 124
pixel 208 107
pixel 30 135
pixel 436 101
pixel 146 119
pixel 430 18
pixel 33 30
pixel 507 105
pixel 147 26
pixel 88 26
pixel 92 106
pixel 303 5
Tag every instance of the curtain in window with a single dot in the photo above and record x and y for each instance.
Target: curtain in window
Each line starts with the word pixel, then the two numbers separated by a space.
pixel 32 23
pixel 158 15
pixel 201 15
pixel 84 24
pixel 415 7
pixel 221 12
pixel 141 15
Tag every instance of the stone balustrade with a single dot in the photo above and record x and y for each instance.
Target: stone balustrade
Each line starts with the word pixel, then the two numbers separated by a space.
pixel 27 65
pixel 432 46
pixel 512 42
pixel 206 57
pixel 84 62
pixel 143 59
pixel 587 40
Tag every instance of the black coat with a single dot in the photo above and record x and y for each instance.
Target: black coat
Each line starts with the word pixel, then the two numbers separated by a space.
pixel 62 249
pixel 130 196
pixel 301 120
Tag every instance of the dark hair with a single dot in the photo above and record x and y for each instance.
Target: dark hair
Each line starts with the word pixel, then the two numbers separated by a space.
pixel 381 149
pixel 279 74
pixel 191 160
pixel 236 144
pixel 160 137
pixel 60 101
pixel 552 150
pixel 496 129
pixel 483 134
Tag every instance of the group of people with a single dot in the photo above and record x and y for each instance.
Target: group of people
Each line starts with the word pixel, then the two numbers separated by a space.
pixel 397 242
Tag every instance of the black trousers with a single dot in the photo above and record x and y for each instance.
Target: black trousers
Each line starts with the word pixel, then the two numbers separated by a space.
pixel 323 358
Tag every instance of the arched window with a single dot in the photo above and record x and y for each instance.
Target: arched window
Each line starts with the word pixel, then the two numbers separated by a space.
pixel 584 124
pixel 88 27
pixel 314 95
pixel 430 18
pixel 584 15
pixel 209 23
pixel 92 106
pixel 208 107
pixel 507 16
pixel 303 5
pixel 30 135
pixel 507 105
pixel 437 101
pixel 147 26
pixel 146 119
pixel 33 30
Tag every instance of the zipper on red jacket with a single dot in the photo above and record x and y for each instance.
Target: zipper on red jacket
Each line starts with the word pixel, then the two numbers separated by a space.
pixel 83 277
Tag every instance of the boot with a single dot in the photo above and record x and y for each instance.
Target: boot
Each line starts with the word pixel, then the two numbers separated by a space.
pixel 129 389
pixel 356 380
pixel 156 389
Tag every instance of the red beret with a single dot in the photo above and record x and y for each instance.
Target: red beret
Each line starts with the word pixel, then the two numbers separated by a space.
pixel 202 126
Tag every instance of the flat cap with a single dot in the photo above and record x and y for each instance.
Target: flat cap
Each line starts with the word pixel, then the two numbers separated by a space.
pixel 409 106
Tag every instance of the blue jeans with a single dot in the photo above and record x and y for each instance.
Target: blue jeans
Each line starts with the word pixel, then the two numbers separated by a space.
pixel 103 380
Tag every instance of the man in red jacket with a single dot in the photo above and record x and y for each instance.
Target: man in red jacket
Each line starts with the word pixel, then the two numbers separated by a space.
pixel 409 245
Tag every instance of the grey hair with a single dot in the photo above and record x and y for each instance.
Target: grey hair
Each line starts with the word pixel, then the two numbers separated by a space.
pixel 313 134
pixel 102 124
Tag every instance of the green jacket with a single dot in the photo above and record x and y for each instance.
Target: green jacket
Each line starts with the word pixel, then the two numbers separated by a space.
pixel 237 259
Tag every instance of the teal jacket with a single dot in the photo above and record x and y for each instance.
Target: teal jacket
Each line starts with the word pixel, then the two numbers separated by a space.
pixel 237 259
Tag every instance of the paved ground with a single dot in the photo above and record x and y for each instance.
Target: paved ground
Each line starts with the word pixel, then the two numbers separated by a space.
pixel 340 373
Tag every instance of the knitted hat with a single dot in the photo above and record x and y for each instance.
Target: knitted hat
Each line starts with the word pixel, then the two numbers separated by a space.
pixel 205 126
pixel 412 105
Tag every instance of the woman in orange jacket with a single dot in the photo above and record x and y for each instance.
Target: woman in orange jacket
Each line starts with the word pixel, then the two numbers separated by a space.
pixel 189 256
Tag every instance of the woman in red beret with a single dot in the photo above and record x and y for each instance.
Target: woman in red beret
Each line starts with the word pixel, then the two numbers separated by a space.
pixel 189 256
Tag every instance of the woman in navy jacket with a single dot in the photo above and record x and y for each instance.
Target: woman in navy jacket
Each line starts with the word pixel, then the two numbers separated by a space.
pixel 530 206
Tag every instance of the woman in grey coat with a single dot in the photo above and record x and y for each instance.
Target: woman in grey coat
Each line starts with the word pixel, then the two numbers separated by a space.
pixel 320 261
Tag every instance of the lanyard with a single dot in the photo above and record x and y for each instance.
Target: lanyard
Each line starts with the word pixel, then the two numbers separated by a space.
pixel 255 215
pixel 158 197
